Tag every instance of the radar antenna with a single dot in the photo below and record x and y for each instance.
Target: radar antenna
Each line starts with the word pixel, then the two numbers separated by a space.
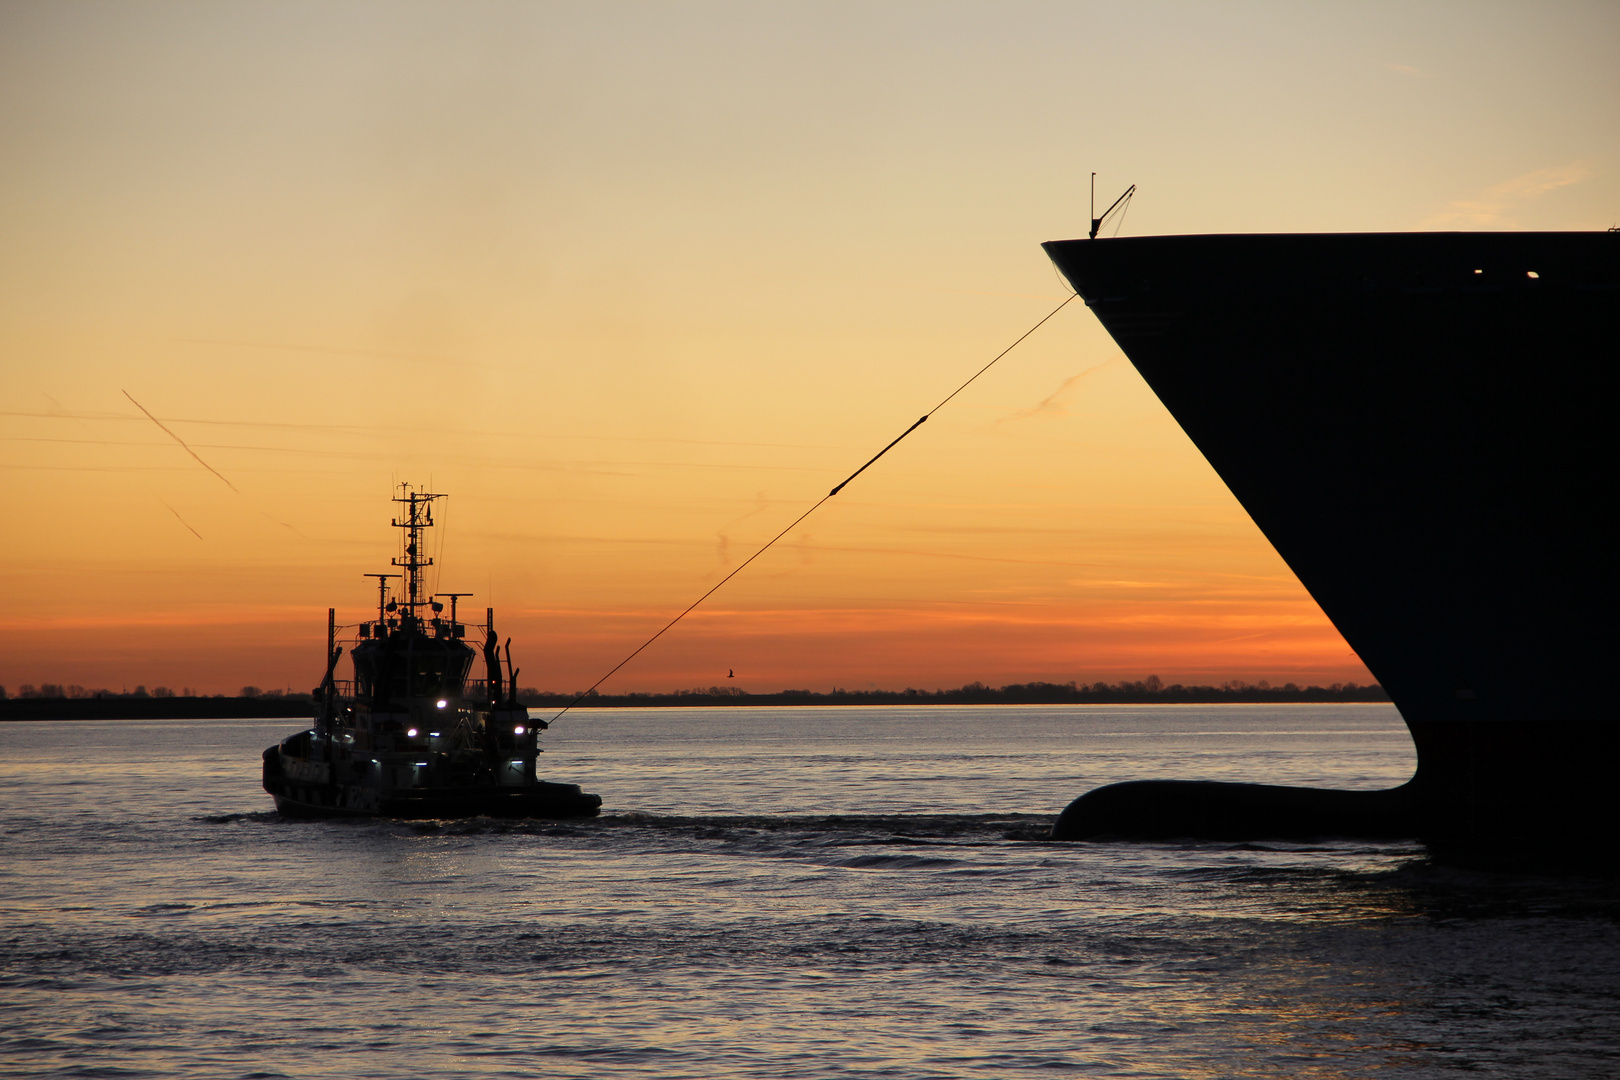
pixel 1119 204
pixel 382 594
pixel 454 596
pixel 418 516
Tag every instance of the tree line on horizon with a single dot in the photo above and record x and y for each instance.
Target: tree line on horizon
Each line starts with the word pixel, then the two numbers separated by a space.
pixel 1149 690
pixel 57 690
pixel 1145 691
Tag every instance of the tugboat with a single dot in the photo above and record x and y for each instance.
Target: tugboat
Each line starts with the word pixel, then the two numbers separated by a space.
pixel 411 736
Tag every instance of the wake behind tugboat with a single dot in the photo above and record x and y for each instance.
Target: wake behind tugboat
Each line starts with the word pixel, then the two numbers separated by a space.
pixel 412 736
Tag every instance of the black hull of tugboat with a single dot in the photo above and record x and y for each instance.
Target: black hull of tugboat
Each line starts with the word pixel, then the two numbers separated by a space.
pixel 538 799
pixel 1422 424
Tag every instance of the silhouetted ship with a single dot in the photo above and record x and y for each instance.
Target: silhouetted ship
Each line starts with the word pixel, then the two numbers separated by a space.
pixel 412 735
pixel 1423 425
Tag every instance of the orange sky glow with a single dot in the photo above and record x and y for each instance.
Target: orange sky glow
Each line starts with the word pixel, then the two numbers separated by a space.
pixel 636 284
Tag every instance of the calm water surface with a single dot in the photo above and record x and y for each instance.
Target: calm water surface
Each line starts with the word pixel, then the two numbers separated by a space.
pixel 825 892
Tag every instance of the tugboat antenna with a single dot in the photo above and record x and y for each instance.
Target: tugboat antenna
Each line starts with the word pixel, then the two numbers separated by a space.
pixel 1097 222
pixel 452 596
pixel 419 516
pixel 382 592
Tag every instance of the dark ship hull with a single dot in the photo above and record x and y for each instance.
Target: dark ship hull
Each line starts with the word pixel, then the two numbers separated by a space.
pixel 1421 423
pixel 317 795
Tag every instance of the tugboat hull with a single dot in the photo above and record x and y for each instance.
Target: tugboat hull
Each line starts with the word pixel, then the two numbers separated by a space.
pixel 315 797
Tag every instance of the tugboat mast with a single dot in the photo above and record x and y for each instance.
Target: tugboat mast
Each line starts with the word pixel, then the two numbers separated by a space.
pixel 418 516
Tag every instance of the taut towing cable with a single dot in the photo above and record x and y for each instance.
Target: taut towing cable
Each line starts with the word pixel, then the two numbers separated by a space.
pixel 769 543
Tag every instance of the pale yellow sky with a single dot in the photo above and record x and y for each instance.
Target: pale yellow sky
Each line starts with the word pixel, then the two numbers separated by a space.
pixel 636 283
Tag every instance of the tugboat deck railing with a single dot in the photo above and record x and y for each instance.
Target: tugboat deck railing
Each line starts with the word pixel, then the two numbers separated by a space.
pixel 471 690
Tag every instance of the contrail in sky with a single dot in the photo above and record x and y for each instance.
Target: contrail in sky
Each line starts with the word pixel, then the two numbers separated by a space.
pixel 182 520
pixel 182 443
pixel 1051 404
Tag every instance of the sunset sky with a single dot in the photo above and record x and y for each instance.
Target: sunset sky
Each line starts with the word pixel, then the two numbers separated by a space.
pixel 637 283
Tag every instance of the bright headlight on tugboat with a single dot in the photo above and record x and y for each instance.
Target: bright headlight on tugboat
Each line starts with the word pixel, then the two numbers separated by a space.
pixel 518 730
pixel 411 733
pixel 443 703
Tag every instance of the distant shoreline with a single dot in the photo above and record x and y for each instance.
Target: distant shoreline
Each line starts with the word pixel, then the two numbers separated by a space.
pixel 1143 693
pixel 123 707
pixel 150 708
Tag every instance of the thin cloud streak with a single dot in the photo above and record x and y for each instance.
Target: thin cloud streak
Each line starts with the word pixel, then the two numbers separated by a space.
pixel 1491 207
pixel 357 455
pixel 1052 404
pixel 372 429
pixel 179 440
pixel 1409 70
pixel 330 351
pixel 284 525
pixel 182 520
